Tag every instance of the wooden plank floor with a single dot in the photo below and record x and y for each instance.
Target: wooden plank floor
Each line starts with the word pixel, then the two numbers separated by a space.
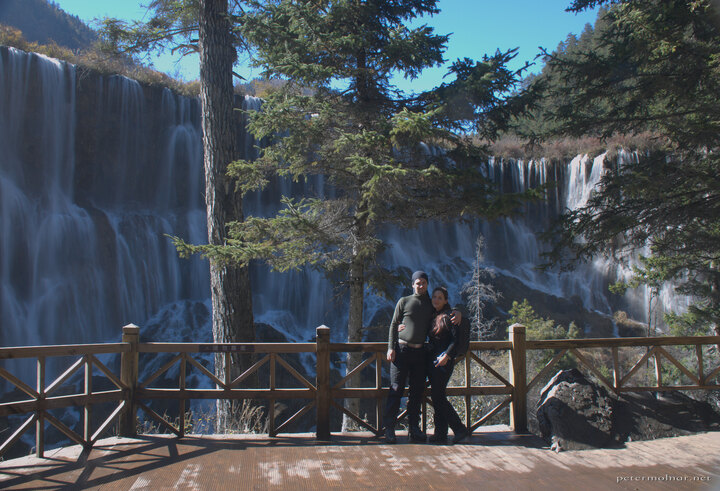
pixel 492 459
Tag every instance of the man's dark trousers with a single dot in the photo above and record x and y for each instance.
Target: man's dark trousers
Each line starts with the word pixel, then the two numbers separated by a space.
pixel 409 364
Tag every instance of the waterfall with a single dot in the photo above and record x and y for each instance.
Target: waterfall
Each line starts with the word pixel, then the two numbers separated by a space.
pixel 96 171
pixel 88 191
pixel 512 245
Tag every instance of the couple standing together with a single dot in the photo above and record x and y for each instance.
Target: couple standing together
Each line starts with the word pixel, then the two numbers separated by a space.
pixel 417 317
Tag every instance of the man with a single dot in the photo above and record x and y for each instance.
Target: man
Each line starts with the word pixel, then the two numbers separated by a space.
pixel 406 354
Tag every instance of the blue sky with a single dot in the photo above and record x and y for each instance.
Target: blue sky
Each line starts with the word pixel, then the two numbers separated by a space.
pixel 478 27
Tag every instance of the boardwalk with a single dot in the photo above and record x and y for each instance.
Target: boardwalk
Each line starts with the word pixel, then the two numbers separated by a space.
pixel 493 459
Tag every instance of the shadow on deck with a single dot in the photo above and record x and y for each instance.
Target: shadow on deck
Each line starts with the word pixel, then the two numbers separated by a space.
pixel 494 458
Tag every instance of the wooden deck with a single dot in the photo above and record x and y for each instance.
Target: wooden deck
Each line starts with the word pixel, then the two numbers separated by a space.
pixel 494 458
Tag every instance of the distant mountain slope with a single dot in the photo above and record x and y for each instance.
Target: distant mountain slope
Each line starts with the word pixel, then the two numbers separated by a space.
pixel 42 21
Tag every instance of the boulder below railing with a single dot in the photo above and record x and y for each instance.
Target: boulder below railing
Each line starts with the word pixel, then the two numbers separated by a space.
pixel 573 414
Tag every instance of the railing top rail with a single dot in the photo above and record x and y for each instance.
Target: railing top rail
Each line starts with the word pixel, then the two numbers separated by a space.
pixel 62 350
pixel 622 342
pixel 490 345
pixel 382 346
pixel 227 347
pixel 100 348
pixel 376 347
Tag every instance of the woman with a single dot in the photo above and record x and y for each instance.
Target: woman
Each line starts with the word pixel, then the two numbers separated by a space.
pixel 441 361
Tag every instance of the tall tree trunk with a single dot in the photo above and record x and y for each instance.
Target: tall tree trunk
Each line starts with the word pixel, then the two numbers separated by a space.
pixel 357 266
pixel 715 299
pixel 232 315
pixel 355 334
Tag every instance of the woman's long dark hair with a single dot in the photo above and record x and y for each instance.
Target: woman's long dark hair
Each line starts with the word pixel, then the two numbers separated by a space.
pixel 441 321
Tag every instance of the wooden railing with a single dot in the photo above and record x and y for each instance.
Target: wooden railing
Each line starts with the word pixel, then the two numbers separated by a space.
pixel 129 394
pixel 226 387
pixel 699 377
pixel 45 397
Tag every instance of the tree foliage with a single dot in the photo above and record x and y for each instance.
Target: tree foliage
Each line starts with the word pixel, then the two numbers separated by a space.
pixel 172 26
pixel 537 327
pixel 388 158
pixel 654 65
pixel 541 123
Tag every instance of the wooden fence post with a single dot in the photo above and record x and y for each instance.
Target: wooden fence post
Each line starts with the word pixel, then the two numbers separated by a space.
pixel 40 425
pixel 322 382
pixel 518 406
pixel 129 377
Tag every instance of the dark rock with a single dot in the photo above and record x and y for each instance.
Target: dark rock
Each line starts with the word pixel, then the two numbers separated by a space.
pixel 712 397
pixel 575 414
pixel 648 415
pixel 562 310
pixel 265 333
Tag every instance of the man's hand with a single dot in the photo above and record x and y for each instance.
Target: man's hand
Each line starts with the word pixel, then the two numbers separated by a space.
pixel 456 317
pixel 391 355
pixel 401 327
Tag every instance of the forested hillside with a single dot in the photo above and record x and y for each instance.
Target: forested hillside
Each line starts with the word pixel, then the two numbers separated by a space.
pixel 43 22
pixel 648 67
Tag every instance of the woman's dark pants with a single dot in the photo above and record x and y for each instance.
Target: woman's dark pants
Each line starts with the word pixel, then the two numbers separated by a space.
pixel 409 364
pixel 445 414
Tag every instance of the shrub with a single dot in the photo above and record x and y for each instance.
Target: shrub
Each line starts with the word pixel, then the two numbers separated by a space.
pixel 252 419
pixel 516 147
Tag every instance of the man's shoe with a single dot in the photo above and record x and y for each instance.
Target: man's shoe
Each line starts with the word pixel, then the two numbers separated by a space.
pixel 440 439
pixel 390 436
pixel 418 437
pixel 460 436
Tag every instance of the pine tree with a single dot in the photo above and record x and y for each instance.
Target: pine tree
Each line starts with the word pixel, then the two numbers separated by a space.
pixel 655 67
pixel 390 159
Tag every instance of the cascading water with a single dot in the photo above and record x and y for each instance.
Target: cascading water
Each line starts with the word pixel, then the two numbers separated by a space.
pixel 83 243
pixel 96 171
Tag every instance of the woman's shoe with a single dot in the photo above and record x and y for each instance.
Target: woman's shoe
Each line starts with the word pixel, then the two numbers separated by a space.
pixel 417 436
pixel 460 436
pixel 442 439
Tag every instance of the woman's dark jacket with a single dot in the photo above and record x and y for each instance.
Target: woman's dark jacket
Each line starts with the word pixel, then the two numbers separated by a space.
pixel 445 341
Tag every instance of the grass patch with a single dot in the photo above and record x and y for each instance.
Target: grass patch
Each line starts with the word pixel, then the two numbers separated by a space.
pixel 95 60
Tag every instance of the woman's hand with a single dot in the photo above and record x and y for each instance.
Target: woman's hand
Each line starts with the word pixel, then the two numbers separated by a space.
pixel 401 327
pixel 391 355
pixel 442 360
